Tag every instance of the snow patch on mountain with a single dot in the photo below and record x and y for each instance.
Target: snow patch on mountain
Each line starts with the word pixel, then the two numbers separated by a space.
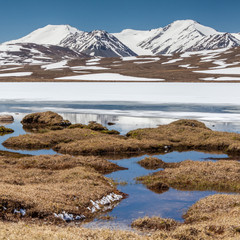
pixel 132 39
pixel 50 34
pixel 177 37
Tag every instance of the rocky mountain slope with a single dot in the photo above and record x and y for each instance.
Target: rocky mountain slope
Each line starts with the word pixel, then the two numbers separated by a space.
pixel 177 37
pixel 31 53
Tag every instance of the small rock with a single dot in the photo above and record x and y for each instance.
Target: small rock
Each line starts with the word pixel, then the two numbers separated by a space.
pixel 6 118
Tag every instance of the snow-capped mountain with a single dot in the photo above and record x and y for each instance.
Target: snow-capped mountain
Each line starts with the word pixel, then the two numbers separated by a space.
pixel 132 38
pixel 216 41
pixel 31 53
pixel 179 36
pixel 97 43
pixel 50 34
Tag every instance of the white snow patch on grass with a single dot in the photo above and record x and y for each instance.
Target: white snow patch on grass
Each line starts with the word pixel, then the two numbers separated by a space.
pixel 144 62
pixel 93 60
pixel 187 66
pixel 88 68
pixel 173 61
pixel 221 79
pixel 57 65
pixel 107 77
pixel 92 63
pixel 10 69
pixel 16 74
pixel 140 59
pixel 223 64
pixel 233 71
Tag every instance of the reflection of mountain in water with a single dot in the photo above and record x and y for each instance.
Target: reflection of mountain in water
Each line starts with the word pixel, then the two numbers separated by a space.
pixel 128 116
pixel 86 118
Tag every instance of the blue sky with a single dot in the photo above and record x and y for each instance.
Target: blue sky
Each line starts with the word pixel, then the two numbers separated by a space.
pixel 20 17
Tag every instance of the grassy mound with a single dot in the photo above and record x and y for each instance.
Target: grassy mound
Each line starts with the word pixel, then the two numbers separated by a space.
pixel 214 217
pixel 44 119
pixel 153 163
pixel 44 185
pixel 195 175
pixel 180 135
pixel 4 130
pixel 154 223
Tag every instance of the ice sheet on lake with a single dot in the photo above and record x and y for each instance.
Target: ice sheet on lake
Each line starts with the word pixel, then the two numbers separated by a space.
pixel 159 93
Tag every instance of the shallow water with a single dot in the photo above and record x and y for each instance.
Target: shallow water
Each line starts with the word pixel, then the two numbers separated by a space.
pixel 126 117
pixel 143 202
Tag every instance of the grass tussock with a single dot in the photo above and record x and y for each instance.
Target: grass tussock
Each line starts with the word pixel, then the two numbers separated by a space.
pixel 214 217
pixel 95 127
pixel 189 135
pixel 44 119
pixel 180 135
pixel 155 223
pixel 61 162
pixel 154 163
pixel 44 185
pixel 80 141
pixel 17 231
pixel 4 130
pixel 195 175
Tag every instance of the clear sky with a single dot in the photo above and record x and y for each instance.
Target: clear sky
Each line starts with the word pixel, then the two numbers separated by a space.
pixel 20 17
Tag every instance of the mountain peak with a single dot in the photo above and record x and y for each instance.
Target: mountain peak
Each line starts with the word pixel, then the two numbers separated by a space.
pixel 50 34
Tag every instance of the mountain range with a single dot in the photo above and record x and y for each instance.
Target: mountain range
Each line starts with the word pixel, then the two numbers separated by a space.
pixel 66 41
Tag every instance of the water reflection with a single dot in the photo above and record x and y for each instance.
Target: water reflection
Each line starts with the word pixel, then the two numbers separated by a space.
pixel 143 202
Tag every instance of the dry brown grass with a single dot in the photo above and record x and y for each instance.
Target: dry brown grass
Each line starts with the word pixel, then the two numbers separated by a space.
pixel 61 162
pixel 155 163
pixel 214 217
pixel 180 135
pixel 22 231
pixel 170 72
pixel 195 175
pixel 189 135
pixel 44 119
pixel 46 184
pixel 155 223
pixel 4 130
